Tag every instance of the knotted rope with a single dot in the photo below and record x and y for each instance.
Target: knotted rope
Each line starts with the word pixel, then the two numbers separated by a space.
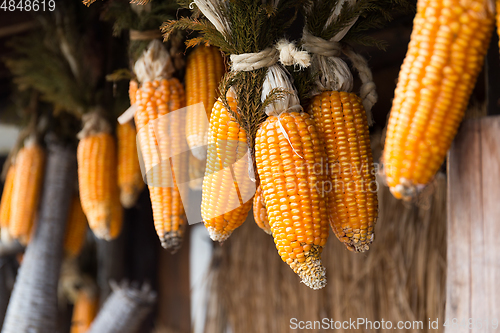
pixel 94 123
pixel 334 73
pixel 283 51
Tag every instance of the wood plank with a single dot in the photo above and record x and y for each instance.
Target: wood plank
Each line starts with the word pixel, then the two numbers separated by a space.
pixel 174 291
pixel 473 250
pixel 490 150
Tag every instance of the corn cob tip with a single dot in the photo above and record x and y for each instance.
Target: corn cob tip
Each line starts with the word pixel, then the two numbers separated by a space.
pixel 355 242
pixel 312 272
pixel 199 152
pixel 217 236
pixel 171 241
pixel 406 190
pixel 100 228
pixel 128 199
pixel 5 236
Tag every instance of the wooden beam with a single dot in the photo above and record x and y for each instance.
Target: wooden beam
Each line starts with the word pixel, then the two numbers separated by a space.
pixel 473 271
pixel 17 28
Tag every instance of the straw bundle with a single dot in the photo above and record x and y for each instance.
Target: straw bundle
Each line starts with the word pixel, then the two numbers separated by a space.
pixel 402 278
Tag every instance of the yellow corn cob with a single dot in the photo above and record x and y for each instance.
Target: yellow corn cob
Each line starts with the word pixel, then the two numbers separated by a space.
pixel 116 224
pixel 293 192
pixel 343 127
pixel 224 211
pixel 196 173
pixel 132 91
pixel 76 229
pixel 26 191
pixel 84 311
pixel 446 52
pixel 5 204
pixel 155 100
pixel 97 180
pixel 130 179
pixel 204 69
pixel 260 212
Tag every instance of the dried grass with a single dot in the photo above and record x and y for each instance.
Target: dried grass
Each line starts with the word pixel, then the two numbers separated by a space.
pixel 401 278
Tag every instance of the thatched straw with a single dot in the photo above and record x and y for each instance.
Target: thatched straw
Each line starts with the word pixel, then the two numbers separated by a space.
pixel 33 304
pixel 401 278
pixel 124 310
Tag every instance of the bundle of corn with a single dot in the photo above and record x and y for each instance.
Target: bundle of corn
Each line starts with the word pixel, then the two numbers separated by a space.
pixel 6 201
pixel 28 178
pixel 124 310
pixel 204 69
pixel 287 148
pixel 341 118
pixel 76 229
pixel 130 179
pixel 158 94
pixel 97 178
pixel 251 52
pixel 84 311
pixel 446 52
pixel 36 282
pixel 260 212
pixel 401 278
pixel 161 133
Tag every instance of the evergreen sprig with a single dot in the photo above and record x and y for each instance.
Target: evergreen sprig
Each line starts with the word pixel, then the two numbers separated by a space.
pixel 64 60
pixel 254 26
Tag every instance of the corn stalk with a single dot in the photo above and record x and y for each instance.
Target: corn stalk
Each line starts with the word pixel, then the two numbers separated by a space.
pixel 33 304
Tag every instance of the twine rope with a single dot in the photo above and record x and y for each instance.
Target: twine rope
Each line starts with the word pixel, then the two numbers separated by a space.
pixel 334 74
pixel 93 123
pixel 283 51
pixel 154 64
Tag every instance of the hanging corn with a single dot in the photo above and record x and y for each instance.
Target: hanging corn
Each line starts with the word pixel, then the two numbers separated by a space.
pixel 130 179
pixel 445 55
pixel 342 123
pixel 204 69
pixel 225 203
pixel 287 147
pixel 6 203
pixel 97 176
pixel 76 229
pixel 161 135
pixel 30 161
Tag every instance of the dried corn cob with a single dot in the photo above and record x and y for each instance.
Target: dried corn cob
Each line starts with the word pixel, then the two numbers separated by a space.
pixel 204 69
pixel 28 180
pixel 76 229
pixel 157 99
pixel 162 140
pixel 445 54
pixel 130 179
pixel 196 173
pixel 260 212
pixel 97 176
pixel 84 311
pixel 225 201
pixel 5 204
pixel 296 205
pixel 116 225
pixel 343 127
